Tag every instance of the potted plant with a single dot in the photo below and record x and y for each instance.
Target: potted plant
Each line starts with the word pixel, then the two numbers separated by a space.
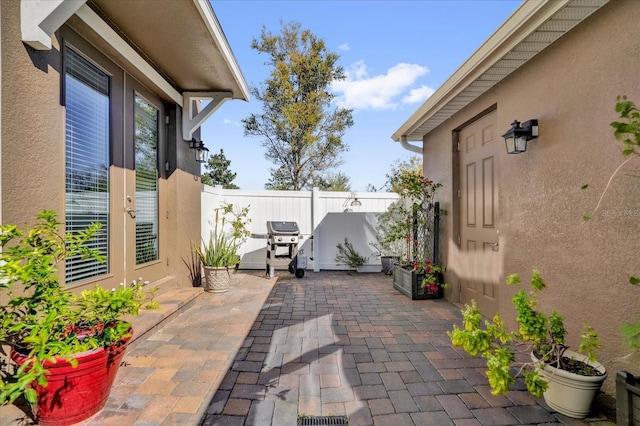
pixel 348 255
pixel 568 380
pixel 419 280
pixel 388 251
pixel 410 223
pixel 67 347
pixel 219 254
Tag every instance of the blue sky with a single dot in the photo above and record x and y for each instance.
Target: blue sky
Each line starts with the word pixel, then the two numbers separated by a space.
pixel 395 53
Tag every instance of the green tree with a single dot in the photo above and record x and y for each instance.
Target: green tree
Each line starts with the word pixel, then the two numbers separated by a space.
pixel 333 182
pixel 218 172
pixel 300 129
pixel 412 166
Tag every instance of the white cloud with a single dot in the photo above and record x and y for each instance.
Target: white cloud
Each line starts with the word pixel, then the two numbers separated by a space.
pixel 230 122
pixel 359 90
pixel 344 46
pixel 418 95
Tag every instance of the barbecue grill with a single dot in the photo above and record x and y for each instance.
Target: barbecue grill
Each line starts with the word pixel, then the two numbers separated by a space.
pixel 282 243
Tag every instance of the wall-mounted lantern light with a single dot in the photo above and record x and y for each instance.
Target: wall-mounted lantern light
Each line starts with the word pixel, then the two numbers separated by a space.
pixel 199 150
pixel 517 136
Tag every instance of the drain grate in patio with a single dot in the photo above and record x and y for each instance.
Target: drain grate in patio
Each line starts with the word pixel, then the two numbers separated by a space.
pixel 322 420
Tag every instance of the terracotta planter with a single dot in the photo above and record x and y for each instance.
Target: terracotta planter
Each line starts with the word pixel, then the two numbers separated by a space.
pixel 217 279
pixel 76 393
pixel 571 394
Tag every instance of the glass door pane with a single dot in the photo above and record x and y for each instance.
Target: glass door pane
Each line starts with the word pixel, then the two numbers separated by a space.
pixel 146 168
pixel 86 94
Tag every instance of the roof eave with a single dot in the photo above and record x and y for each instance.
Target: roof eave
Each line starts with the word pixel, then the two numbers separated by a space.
pixel 521 25
pixel 213 25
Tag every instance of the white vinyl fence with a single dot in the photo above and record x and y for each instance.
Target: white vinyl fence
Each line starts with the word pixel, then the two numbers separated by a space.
pixel 327 216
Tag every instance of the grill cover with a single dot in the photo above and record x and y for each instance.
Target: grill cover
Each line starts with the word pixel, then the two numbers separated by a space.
pixel 282 228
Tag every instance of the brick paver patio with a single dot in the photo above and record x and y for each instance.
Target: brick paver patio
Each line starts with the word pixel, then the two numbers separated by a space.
pixel 333 343
pixel 329 344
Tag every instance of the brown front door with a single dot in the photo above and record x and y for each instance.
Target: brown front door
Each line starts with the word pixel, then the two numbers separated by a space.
pixel 479 254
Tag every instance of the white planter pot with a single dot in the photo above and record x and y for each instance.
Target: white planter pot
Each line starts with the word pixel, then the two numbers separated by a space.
pixel 217 280
pixel 571 394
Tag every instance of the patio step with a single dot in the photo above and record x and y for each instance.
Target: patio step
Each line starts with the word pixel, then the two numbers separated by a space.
pixel 172 301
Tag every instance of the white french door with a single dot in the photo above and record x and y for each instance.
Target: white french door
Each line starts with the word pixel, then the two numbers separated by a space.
pixel 115 135
pixel 142 187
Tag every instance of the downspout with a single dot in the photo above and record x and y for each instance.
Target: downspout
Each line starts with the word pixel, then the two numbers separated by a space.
pixel 406 145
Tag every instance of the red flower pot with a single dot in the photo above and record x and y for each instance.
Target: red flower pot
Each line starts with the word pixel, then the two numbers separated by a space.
pixel 74 394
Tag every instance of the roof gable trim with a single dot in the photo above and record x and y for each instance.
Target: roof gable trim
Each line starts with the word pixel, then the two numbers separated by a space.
pixel 529 30
pixel 40 19
pixel 214 28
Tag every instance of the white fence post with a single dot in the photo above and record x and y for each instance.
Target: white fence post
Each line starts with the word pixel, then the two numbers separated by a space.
pixel 316 217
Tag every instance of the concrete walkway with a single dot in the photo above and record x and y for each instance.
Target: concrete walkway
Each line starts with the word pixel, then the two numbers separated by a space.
pixel 329 344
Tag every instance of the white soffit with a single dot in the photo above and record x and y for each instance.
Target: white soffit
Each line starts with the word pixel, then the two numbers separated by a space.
pixel 211 68
pixel 532 27
pixel 120 45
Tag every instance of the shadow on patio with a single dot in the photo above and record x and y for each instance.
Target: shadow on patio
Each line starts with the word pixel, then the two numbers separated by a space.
pixel 339 344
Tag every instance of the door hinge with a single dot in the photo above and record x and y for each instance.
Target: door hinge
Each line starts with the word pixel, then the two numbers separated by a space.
pixel 459 241
pixel 459 193
pixel 458 145
pixel 166 119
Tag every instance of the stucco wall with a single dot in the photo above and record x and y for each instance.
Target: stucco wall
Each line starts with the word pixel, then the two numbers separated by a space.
pixel 33 158
pixel 571 88
pixel 183 213
pixel 32 125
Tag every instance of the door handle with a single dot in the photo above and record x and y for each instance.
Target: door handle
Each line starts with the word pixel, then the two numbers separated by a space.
pixel 495 246
pixel 132 212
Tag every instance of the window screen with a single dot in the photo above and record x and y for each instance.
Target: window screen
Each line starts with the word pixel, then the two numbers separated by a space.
pixel 86 93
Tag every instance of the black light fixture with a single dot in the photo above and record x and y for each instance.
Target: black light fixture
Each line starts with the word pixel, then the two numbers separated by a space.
pixel 517 136
pixel 199 150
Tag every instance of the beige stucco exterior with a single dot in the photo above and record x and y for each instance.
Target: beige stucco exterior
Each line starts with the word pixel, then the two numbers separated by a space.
pixel 571 88
pixel 33 127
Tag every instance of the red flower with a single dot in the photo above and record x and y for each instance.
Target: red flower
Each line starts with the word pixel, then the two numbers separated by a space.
pixel 432 288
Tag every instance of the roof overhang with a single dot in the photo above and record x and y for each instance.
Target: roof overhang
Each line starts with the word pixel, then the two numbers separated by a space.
pixel 181 41
pixel 530 29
